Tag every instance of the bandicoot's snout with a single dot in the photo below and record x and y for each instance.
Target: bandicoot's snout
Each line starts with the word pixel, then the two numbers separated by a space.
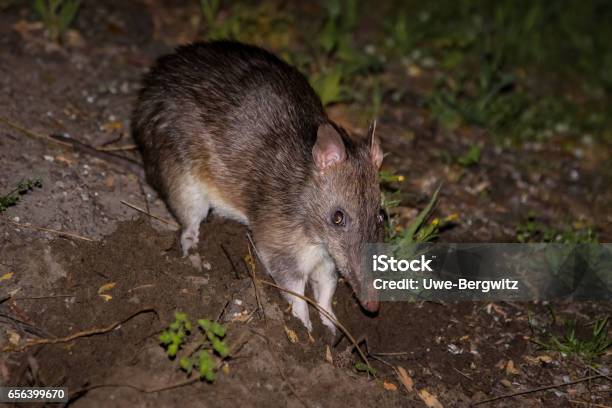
pixel 368 298
pixel 371 306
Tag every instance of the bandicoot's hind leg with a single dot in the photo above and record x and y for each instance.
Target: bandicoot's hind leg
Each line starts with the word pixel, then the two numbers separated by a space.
pixel 188 200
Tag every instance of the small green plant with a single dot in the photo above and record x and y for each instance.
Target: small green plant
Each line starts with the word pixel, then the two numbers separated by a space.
pixel 175 336
pixel 533 230
pixel 210 9
pixel 338 61
pixel 471 157
pixel 211 349
pixel 341 17
pixel 571 345
pixel 328 85
pixel 419 230
pixel 57 15
pixel 364 368
pixel 22 188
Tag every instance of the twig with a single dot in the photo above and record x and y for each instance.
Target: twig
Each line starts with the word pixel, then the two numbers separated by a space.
pixel 116 148
pixel 251 269
pixel 42 297
pixel 400 353
pixel 165 221
pixel 85 333
pixel 68 234
pixel 463 374
pixel 32 134
pixel 543 388
pixel 380 360
pixel 80 392
pixel 598 371
pixel 144 196
pixel 229 259
pixel 590 404
pixel 316 306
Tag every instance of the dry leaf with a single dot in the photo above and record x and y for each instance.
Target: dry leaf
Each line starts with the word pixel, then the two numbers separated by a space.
pixel 404 378
pixel 241 316
pixel 13 337
pixel 511 369
pixel 6 276
pixel 24 27
pixel 544 359
pixel 506 383
pixel 74 39
pixel 430 400
pixel 310 338
pixel 110 183
pixel 389 386
pixel 64 160
pixel 328 355
pixel 111 126
pixel 106 287
pixel 291 335
pixel 107 298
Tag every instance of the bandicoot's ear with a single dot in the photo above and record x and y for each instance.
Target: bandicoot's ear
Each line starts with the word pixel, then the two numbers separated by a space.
pixel 375 148
pixel 329 148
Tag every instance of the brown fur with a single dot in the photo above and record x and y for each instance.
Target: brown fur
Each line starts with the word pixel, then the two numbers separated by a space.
pixel 232 127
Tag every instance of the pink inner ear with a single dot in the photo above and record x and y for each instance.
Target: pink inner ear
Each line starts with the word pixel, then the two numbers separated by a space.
pixel 376 152
pixel 329 148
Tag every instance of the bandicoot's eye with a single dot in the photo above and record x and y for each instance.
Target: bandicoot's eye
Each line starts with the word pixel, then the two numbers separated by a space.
pixel 338 218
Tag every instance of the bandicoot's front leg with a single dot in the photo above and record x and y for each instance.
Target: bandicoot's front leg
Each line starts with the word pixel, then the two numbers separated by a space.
pixel 285 271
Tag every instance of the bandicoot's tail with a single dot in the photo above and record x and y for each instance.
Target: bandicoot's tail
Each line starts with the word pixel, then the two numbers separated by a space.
pixel 124 162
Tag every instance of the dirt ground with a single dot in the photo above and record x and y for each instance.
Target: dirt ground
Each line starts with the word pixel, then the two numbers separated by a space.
pixel 51 287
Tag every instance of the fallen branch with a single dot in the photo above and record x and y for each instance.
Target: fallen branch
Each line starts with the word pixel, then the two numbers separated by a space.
pixel 53 231
pixel 85 333
pixel 165 221
pixel 32 134
pixel 316 306
pixel 543 388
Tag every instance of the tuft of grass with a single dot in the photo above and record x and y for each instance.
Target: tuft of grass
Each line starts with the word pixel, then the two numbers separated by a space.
pixel 210 352
pixel 261 24
pixel 494 63
pixel 471 157
pixel 23 187
pixel 210 11
pixel 532 231
pixel 338 62
pixel 57 15
pixel 419 230
pixel 569 344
